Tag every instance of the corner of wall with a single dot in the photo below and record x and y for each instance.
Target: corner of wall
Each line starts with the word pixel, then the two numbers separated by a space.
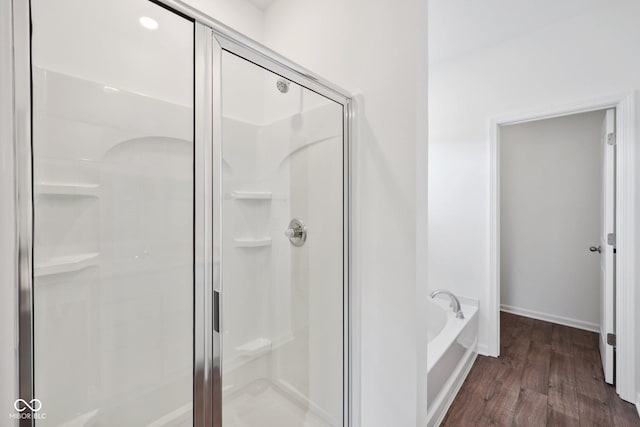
pixel 241 15
pixel 483 349
pixel 422 160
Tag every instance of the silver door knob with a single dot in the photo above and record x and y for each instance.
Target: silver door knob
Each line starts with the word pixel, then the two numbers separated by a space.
pixel 595 249
pixel 296 232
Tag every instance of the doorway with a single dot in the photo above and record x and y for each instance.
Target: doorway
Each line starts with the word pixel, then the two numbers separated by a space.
pixel 625 221
pixel 556 203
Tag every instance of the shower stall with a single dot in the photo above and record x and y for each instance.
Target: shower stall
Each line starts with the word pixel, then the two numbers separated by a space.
pixel 184 223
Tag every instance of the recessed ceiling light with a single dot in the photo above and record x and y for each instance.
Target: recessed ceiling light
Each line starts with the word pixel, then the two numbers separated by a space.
pixel 149 23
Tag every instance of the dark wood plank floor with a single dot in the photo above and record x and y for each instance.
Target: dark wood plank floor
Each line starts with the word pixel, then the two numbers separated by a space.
pixel 547 375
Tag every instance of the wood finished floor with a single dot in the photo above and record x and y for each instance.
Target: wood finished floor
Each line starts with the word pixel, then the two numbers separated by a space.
pixel 547 375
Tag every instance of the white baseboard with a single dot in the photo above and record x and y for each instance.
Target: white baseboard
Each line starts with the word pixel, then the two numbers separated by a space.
pixel 574 323
pixel 483 349
pixel 638 404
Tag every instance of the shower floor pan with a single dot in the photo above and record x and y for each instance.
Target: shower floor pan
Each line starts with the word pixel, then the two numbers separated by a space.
pixel 262 404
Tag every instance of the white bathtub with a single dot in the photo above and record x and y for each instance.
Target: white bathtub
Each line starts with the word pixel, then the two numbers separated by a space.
pixel 451 352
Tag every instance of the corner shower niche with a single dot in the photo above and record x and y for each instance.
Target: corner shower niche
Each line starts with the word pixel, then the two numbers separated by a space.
pixel 112 201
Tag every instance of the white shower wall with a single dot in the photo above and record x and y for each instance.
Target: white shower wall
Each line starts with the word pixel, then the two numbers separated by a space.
pixel 89 144
pixel 279 300
pixel 263 156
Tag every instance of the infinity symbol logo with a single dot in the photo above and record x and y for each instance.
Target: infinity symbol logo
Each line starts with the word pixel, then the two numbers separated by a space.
pixel 35 405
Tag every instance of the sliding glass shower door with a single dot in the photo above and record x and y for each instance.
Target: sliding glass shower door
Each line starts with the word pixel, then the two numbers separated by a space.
pixel 282 322
pixel 113 207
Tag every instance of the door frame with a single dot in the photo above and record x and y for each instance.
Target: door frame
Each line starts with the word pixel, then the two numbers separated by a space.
pixel 210 38
pixel 626 224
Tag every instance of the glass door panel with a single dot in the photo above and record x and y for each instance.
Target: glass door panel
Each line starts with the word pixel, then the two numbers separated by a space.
pixel 113 170
pixel 282 251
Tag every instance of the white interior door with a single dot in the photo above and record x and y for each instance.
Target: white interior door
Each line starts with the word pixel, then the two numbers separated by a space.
pixel 607 245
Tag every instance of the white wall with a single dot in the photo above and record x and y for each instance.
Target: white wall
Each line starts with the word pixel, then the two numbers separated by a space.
pixel 550 185
pixel 585 55
pixel 376 50
pixel 421 160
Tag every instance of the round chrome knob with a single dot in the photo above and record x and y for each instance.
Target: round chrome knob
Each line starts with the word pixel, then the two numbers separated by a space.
pixel 296 232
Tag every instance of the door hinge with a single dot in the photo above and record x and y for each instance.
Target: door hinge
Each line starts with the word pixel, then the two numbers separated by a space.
pixel 611 138
pixel 611 239
pixel 611 339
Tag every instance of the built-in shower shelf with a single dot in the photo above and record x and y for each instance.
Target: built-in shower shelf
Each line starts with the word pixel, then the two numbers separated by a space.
pixel 68 189
pixel 254 347
pixel 252 195
pixel 249 242
pixel 66 264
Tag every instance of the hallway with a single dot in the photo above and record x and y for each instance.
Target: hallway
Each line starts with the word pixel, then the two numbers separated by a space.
pixel 547 375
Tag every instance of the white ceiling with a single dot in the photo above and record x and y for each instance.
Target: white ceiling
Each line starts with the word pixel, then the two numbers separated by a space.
pixel 458 27
pixel 262 4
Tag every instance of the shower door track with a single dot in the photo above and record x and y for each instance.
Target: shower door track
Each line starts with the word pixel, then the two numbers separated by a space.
pixel 211 39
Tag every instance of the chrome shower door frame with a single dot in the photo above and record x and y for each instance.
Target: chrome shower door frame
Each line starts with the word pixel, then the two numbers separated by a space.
pixel 224 40
pixel 21 23
pixel 204 380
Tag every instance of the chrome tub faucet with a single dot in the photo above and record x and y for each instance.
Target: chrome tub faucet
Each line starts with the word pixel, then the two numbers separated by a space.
pixel 455 304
